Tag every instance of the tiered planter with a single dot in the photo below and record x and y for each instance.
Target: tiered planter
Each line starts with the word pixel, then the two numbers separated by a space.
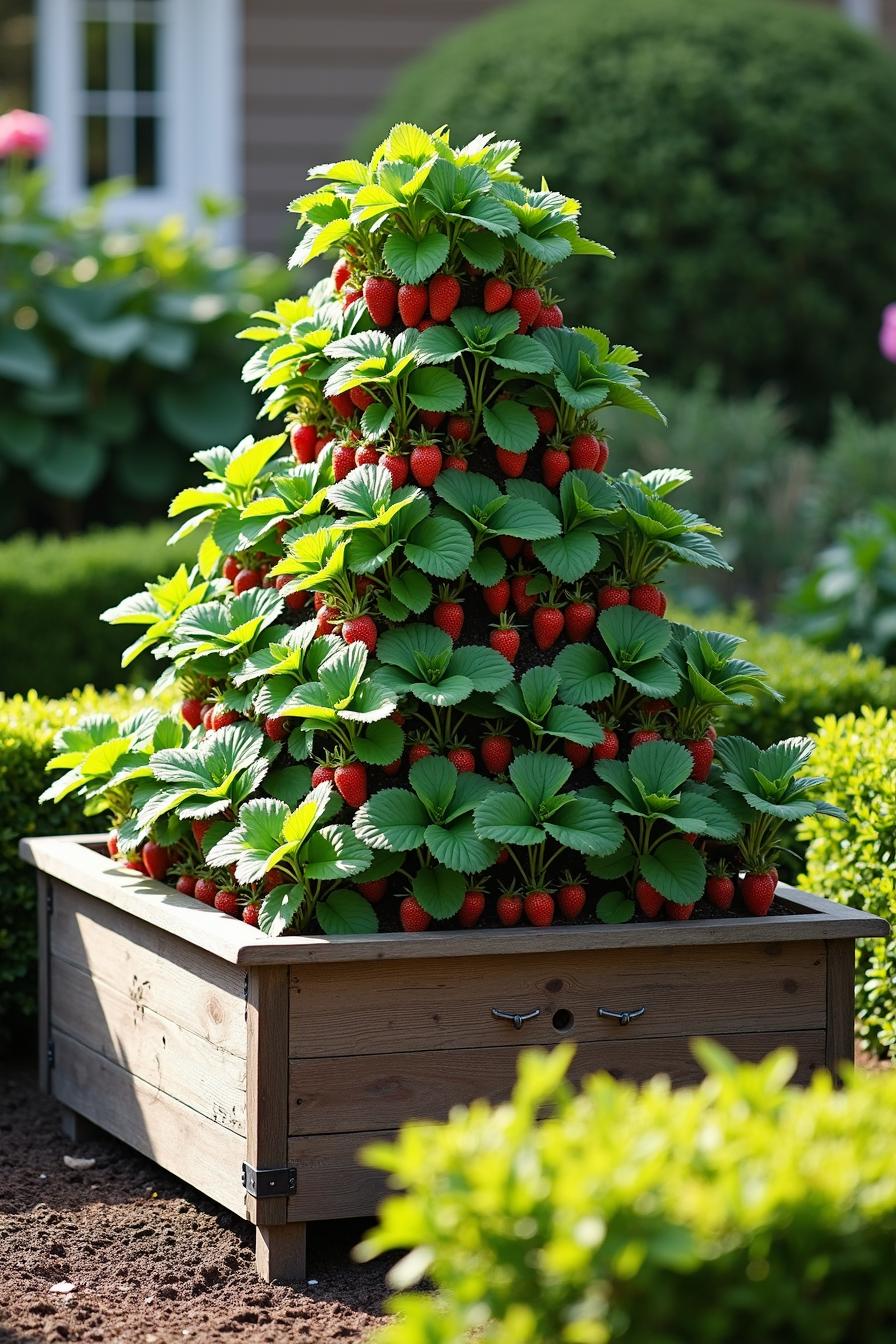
pixel 219 1052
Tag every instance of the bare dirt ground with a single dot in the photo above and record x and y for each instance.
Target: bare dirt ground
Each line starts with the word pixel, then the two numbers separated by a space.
pixel 150 1260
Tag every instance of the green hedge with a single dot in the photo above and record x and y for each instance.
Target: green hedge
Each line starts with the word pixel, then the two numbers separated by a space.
pixel 737 156
pixel 854 861
pixel 742 1209
pixel 27 728
pixel 52 590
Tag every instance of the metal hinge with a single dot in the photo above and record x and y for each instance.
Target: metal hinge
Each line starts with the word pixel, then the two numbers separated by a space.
pixel 51 1053
pixel 268 1182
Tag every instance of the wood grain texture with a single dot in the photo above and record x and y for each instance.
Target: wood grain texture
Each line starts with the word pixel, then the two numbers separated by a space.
pixel 122 1027
pixel 447 1004
pixel 189 1145
pixel 267 1099
pixel 71 859
pixel 840 1005
pixel 387 1090
pixel 182 983
pixel 280 1252
pixel 44 895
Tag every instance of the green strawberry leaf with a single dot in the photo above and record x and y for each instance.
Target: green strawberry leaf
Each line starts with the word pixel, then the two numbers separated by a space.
pixel 614 907
pixel 441 547
pixel 414 260
pixel 587 826
pixel 484 250
pixel 432 389
pixel 381 743
pixel 676 870
pixel 346 912
pixel 413 590
pixel 569 557
pixel 459 848
pixel 584 675
pixel 439 891
pixel 488 566
pixel 392 819
pixel 507 819
pixel 510 425
pixel 279 908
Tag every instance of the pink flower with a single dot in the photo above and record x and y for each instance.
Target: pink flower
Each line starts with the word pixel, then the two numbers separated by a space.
pixel 23 133
pixel 888 333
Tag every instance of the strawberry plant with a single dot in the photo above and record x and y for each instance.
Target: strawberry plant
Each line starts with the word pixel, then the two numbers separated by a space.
pixel 424 636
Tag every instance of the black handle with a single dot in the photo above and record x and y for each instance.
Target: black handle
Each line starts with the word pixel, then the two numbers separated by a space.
pixel 516 1018
pixel 622 1018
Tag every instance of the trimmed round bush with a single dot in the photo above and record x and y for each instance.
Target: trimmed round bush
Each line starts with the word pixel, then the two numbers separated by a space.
pixel 738 157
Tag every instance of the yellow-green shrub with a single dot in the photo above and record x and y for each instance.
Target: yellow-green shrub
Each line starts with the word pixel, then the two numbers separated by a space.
pixel 742 1209
pixel 854 861
pixel 28 725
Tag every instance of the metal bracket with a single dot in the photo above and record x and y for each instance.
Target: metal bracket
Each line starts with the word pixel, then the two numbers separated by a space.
pixel 516 1018
pixel 622 1018
pixel 268 1182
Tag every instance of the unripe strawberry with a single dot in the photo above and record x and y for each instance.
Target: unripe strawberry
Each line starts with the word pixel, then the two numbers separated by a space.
pixel 496 294
pixel 647 597
pixel 470 912
pixel 648 899
pixel 463 760
pixel 509 910
pixel 413 917
pixel 496 596
pixel 444 296
pixel 512 464
pixel 246 579
pixel 547 626
pixel 496 751
pixel 608 749
pixel 527 303
pixel 381 296
pixel 539 907
pixel 303 441
pixel 412 301
pixel 191 712
pixel 571 900
pixel 612 595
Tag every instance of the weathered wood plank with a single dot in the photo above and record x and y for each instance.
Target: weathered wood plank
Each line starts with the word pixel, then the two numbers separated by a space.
pixel 280 1252
pixel 447 1004
pixel 189 1145
pixel 386 1090
pixel 121 1026
pixel 181 982
pixel 840 1005
pixel 267 1102
pixel 44 896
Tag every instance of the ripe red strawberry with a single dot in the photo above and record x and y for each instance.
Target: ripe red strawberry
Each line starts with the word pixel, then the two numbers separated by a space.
pixel 351 781
pixel 497 596
pixel 512 464
pixel 527 303
pixel 412 301
pixel 413 917
pixel 612 595
pixel 230 568
pixel 579 620
pixel 112 844
pixel 324 624
pixel 547 626
pixel 295 601
pixel 277 729
pixel 227 902
pixel 432 419
pixel 200 829
pixel 470 912
pixel 275 877
pixel 136 866
pixel 322 443
pixel 455 463
pixel 340 273
pixel 702 751
pixel 463 760
pixel 426 463
pixel 496 294
pixel 246 579
pixel 554 466
pixel 374 891
pixel 449 616
pixel 648 899
pixel 642 735
pixel 367 456
pixel 539 907
pixel 509 910
pixel 607 750
pixel 350 296
pixel 588 453
pixel 720 890
pixel 343 461
pixel 425 324
pixel 571 900
pixel 544 418
pixel 303 440
pixel 652 706
pixel 250 914
pixel 417 751
pixel 361 398
pixel 647 597
pixel 360 629
pixel 444 296
pixel 510 546
pixel 496 751
pixel 551 316
pixel 322 774
pixel 397 467
pixel 459 427
pixel 506 641
pixel 380 295
pixel 222 717
pixel 758 891
pixel 503 856
pixel 343 405
pixel 523 601
pixel 191 711
pixel 674 910
pixel 575 752
pixel 205 890
pixel 185 884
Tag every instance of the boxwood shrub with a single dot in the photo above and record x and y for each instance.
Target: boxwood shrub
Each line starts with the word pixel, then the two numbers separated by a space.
pixel 738 157
pixel 52 590
pixel 739 1209
pixel 28 725
pixel 854 861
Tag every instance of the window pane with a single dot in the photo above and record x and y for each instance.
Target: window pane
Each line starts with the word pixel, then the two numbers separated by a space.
pixel 145 57
pixel 97 156
pixel 147 172
pixel 95 55
pixel 121 38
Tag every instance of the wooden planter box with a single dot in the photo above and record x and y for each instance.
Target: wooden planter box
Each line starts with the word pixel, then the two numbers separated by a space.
pixel 220 1053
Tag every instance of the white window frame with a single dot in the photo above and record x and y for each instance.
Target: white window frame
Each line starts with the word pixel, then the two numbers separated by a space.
pixel 200 131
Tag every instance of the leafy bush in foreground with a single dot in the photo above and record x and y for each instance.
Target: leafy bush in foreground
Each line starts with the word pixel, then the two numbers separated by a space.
pixel 739 1209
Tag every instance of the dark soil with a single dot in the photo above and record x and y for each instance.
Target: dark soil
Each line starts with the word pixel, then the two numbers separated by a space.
pixel 151 1261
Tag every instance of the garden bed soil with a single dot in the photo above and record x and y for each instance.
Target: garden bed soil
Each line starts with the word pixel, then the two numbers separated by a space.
pixel 152 1262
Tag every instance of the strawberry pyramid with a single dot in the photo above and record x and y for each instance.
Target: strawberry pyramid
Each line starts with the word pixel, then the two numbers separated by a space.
pixel 425 673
